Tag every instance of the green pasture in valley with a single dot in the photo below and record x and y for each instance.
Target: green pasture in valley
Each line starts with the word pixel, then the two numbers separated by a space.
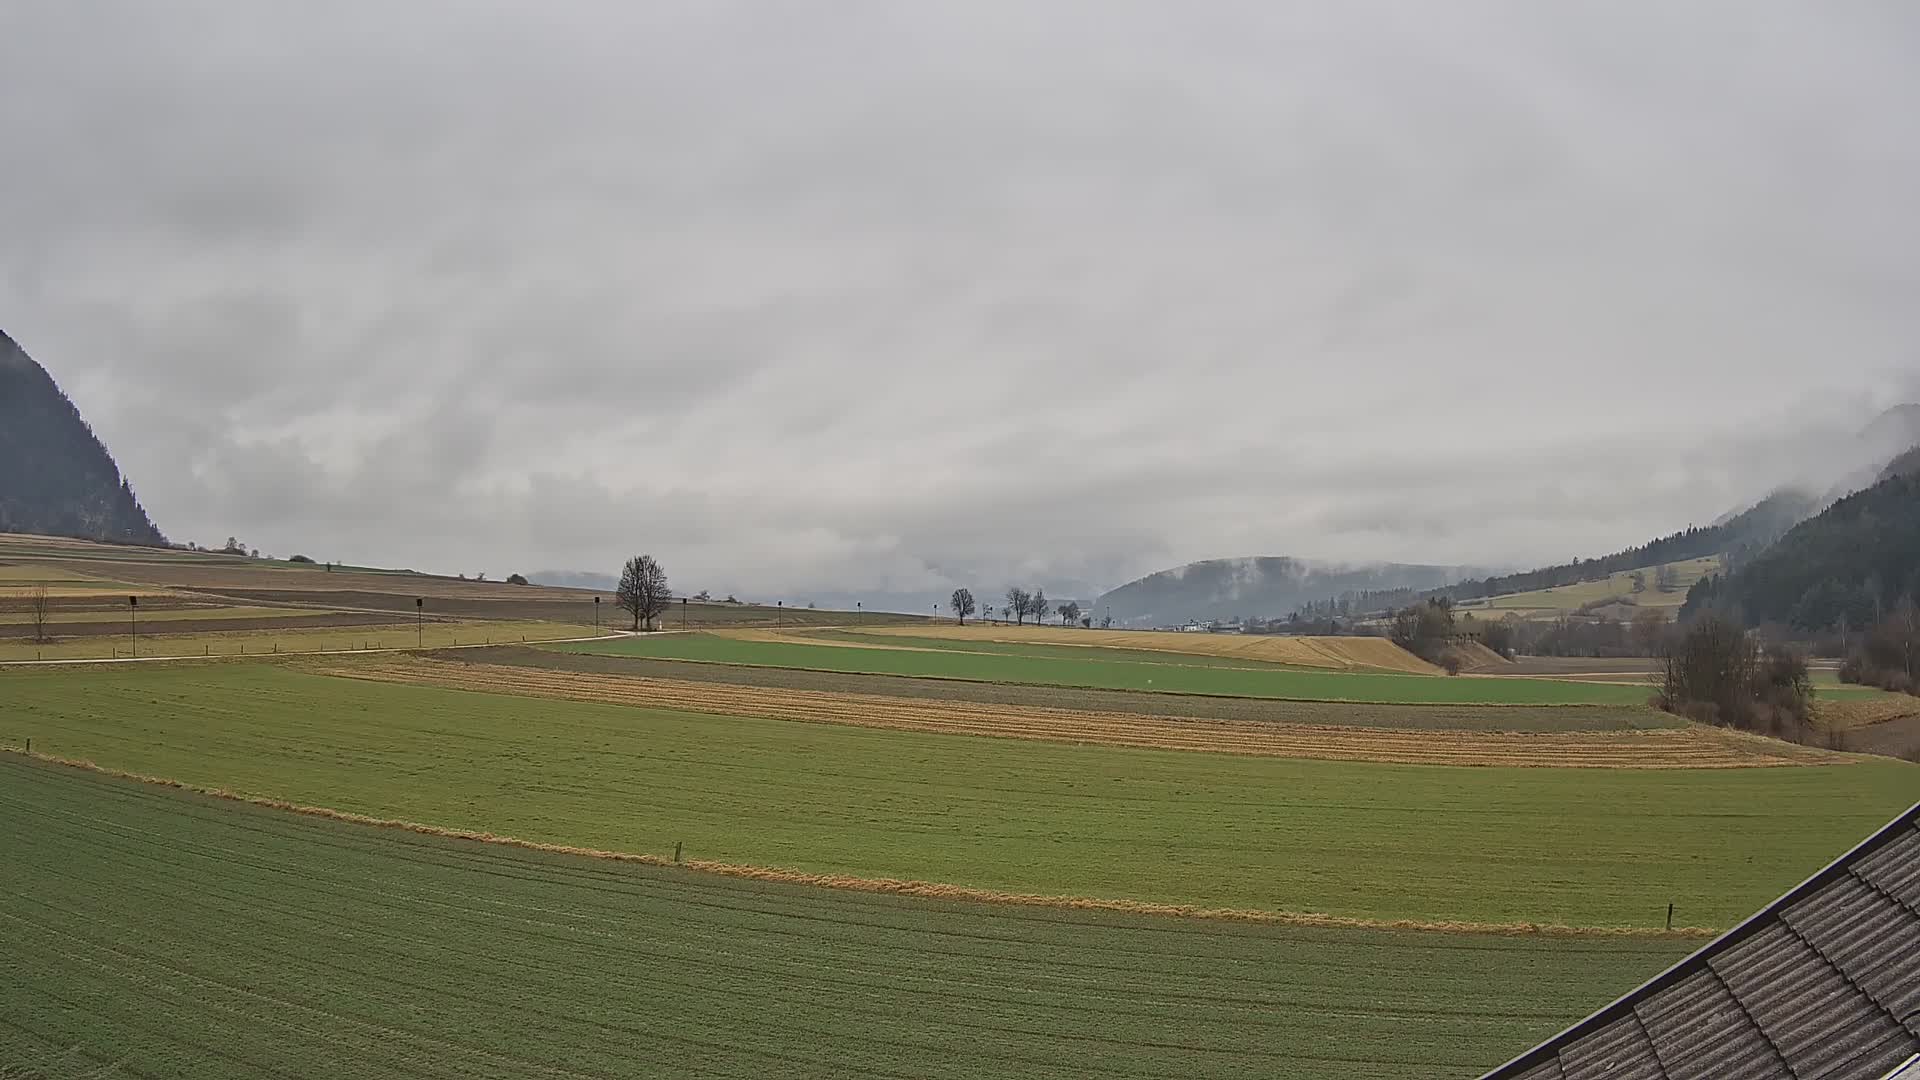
pixel 1168 675
pixel 156 933
pixel 1044 650
pixel 1582 847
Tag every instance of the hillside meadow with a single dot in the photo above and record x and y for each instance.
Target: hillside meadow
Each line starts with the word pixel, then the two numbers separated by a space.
pixel 1581 847
pixel 155 933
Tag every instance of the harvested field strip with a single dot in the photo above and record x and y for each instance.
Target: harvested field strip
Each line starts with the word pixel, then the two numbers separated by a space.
pixel 1865 711
pixel 184 936
pixel 332 632
pixel 164 619
pixel 1205 706
pixel 1673 748
pixel 1573 847
pixel 1344 653
pixel 1272 682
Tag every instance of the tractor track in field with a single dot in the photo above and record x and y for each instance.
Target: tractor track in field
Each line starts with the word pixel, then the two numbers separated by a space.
pixel 1666 748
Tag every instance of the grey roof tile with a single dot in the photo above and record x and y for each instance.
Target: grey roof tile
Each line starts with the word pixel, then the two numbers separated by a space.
pixel 1803 1005
pixel 1896 868
pixel 1703 1032
pixel 1823 984
pixel 1619 1051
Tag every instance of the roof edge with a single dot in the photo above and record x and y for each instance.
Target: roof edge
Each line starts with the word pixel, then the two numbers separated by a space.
pixel 1623 1005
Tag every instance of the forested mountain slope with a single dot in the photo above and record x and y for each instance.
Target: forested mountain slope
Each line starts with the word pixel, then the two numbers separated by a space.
pixel 56 478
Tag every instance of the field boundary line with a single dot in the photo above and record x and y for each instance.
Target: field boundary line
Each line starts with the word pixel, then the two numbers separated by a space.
pixel 928 890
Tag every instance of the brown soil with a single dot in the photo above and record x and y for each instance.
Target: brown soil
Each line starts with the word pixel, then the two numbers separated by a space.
pixel 1671 748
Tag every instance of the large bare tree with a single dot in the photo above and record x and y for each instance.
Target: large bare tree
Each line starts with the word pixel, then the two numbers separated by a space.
pixel 1038 607
pixel 1018 602
pixel 643 591
pixel 962 604
pixel 39 611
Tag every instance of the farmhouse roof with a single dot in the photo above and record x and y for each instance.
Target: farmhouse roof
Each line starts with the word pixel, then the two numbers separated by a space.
pixel 1823 983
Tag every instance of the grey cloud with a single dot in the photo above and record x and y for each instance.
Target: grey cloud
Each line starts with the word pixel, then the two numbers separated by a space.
pixel 896 297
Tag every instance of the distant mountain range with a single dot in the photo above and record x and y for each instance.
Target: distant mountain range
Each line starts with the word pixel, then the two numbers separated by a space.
pixel 1272 587
pixel 1852 562
pixel 56 478
pixel 1262 587
pixel 575 579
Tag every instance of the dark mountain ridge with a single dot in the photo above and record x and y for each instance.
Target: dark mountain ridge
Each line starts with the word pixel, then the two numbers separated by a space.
pixel 56 478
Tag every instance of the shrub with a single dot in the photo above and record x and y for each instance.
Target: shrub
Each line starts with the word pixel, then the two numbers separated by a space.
pixel 516 579
pixel 298 558
pixel 1715 674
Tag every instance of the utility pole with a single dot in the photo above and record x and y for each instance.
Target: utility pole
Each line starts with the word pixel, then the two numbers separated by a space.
pixel 133 620
pixel 683 613
pixel 779 609
pixel 860 612
pixel 596 615
pixel 419 621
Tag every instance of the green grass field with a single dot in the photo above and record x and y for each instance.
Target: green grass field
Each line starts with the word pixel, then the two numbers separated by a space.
pixel 1272 710
pixel 1049 652
pixel 1168 676
pixel 155 933
pixel 1586 847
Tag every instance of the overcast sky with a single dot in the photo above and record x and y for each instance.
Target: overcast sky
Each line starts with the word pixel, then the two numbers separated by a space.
pixel 889 296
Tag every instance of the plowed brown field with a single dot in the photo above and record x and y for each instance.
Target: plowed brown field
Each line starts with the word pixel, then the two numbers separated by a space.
pixel 1694 747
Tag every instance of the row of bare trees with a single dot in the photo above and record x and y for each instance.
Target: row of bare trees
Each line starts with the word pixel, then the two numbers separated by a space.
pixel 1021 604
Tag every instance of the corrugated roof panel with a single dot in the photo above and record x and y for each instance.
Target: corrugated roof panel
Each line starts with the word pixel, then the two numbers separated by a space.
pixel 1874 1061
pixel 1546 1070
pixel 1896 868
pixel 1823 984
pixel 1702 1033
pixel 1851 923
pixel 1619 1051
pixel 1801 1003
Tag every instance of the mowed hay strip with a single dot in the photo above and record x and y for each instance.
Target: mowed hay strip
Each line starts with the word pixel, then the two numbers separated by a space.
pixel 1670 748
pixel 1865 711
pixel 1335 653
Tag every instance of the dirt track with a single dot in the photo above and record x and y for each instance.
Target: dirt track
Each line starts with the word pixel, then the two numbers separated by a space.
pixel 1669 748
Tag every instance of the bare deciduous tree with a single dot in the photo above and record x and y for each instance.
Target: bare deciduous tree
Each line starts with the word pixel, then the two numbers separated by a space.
pixel 1018 602
pixel 1069 612
pixel 1038 606
pixel 962 604
pixel 39 610
pixel 1649 630
pixel 643 591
